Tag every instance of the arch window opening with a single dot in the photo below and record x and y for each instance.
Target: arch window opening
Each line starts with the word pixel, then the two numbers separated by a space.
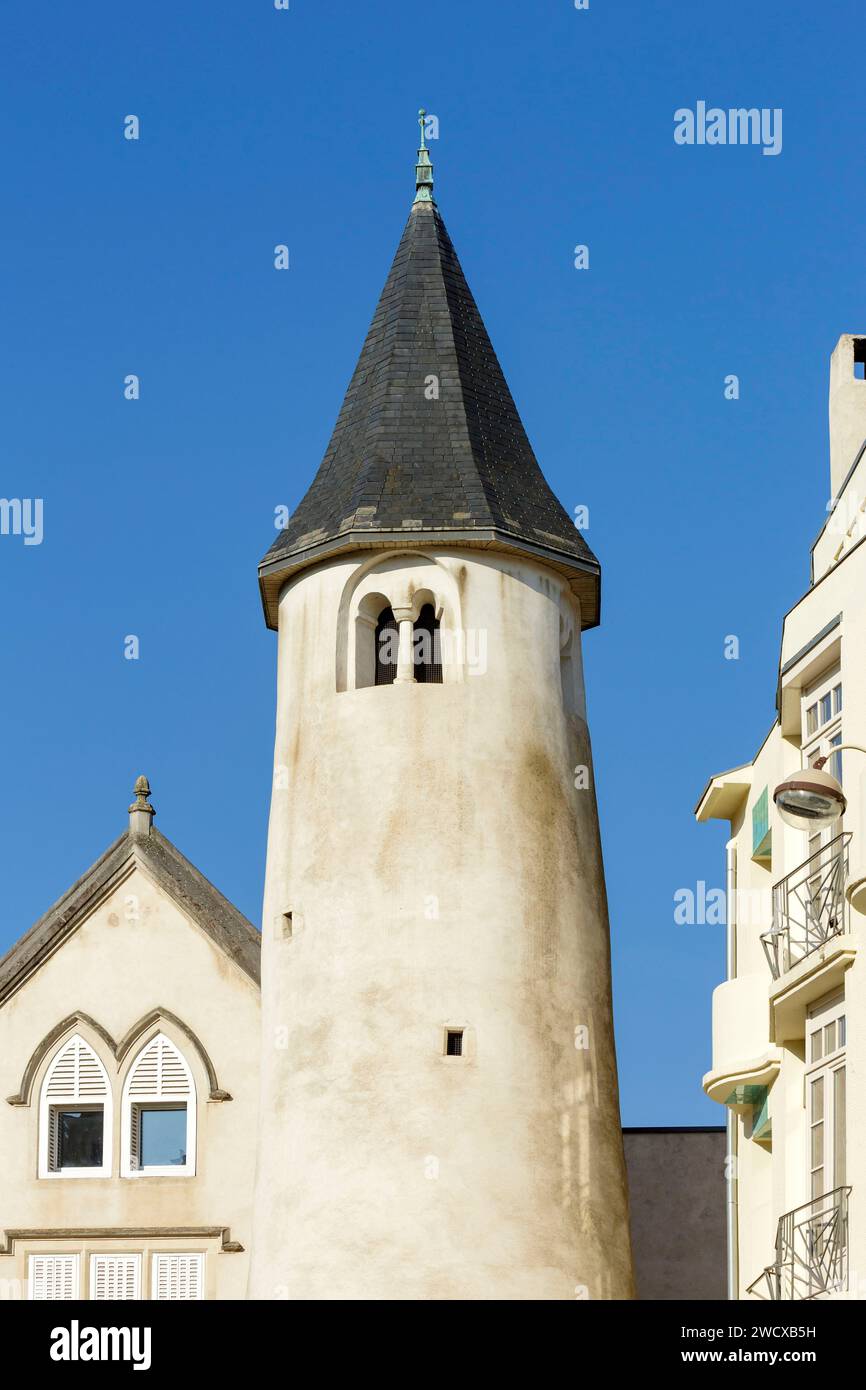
pixel 75 1114
pixel 387 643
pixel 426 647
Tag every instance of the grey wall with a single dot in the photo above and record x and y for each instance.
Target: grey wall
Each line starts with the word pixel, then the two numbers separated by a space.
pixel 677 1194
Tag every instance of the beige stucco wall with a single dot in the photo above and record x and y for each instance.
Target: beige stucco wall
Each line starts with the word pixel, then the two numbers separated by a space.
pixel 441 869
pixel 138 951
pixel 676 1180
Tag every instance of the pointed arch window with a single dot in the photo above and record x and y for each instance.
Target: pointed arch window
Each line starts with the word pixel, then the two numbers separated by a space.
pixel 426 653
pixel 386 645
pixel 159 1113
pixel 75 1114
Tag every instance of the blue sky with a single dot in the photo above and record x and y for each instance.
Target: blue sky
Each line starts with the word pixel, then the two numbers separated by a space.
pixel 155 257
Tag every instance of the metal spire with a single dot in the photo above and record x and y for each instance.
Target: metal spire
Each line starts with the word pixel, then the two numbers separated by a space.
pixel 423 169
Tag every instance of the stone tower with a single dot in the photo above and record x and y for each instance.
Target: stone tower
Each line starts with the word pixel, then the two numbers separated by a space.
pixel 439 1109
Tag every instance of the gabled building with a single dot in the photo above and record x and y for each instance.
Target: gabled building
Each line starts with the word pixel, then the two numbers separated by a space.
pixel 789 1023
pixel 129 1071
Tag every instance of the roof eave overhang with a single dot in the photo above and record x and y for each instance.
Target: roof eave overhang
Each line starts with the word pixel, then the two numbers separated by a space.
pixel 584 576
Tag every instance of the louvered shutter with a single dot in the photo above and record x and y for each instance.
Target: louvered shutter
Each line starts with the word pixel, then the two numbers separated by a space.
pixel 178 1277
pixel 115 1277
pixel 135 1137
pixel 53 1141
pixel 160 1073
pixel 76 1075
pixel 53 1277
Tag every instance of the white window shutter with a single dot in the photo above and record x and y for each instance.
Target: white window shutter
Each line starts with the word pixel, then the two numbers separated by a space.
pixel 115 1277
pixel 53 1277
pixel 160 1073
pixel 76 1074
pixel 178 1277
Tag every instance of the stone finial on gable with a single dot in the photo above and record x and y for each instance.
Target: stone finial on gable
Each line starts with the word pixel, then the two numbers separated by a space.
pixel 141 812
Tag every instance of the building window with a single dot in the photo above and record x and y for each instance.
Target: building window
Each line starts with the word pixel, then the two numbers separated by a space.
pixel 386 646
pixel 426 651
pixel 177 1276
pixel 825 1093
pixel 75 1115
pixel 159 1113
pixel 114 1277
pixel 822 722
pixel 454 1042
pixel 51 1277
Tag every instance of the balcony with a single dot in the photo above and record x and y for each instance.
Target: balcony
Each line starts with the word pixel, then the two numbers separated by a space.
pixel 809 907
pixel 811 1251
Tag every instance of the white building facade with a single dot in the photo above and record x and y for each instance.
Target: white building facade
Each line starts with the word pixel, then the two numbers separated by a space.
pixel 789 1022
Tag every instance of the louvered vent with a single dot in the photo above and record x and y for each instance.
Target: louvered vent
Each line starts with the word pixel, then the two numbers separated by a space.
pixel 160 1072
pixel 53 1276
pixel 178 1276
pixel 115 1277
pixel 76 1074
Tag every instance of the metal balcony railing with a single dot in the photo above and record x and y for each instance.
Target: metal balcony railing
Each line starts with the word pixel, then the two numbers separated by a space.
pixel 811 1251
pixel 809 906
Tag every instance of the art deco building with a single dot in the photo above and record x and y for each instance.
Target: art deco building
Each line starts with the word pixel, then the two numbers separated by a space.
pixel 789 1023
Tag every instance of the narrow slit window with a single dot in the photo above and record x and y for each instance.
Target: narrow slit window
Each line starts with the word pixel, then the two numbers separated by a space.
pixel 454 1042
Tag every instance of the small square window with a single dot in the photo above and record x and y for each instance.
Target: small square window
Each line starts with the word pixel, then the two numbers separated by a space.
pixel 454 1042
pixel 161 1131
pixel 78 1138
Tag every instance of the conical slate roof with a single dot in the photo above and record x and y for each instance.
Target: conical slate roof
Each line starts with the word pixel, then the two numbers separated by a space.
pixel 428 445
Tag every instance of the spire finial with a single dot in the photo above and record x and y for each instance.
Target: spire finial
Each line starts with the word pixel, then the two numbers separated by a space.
pixel 423 169
pixel 141 811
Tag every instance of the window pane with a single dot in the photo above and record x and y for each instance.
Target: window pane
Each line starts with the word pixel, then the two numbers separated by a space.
pixel 817 1099
pixel 79 1138
pixel 834 766
pixel 817 1144
pixel 811 719
pixel 839 1127
pixel 162 1136
pixel 817 1051
pixel 826 708
pixel 837 699
pixel 818 1182
pixel 842 1031
pixel 829 1038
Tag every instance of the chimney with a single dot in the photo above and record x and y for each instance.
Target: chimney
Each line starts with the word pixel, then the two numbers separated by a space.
pixel 847 406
